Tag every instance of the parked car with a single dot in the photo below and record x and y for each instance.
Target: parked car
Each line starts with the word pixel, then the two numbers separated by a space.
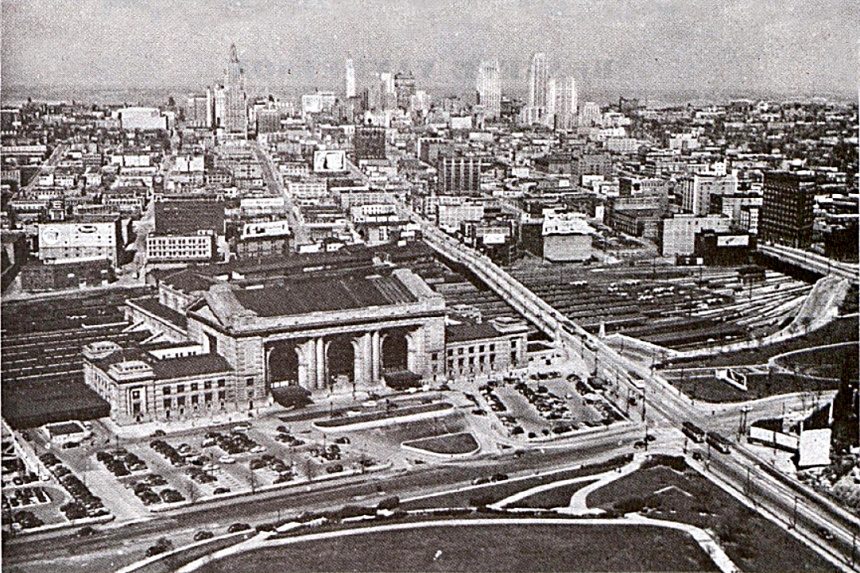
pixel 236 527
pixel 227 459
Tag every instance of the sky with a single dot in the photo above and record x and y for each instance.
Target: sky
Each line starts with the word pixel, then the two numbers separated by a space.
pixel 701 46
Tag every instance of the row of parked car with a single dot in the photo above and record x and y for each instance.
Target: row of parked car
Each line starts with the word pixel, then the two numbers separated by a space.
pixel 168 451
pixel 84 503
pixel 285 472
pixel 121 462
pixel 233 443
pixel 25 496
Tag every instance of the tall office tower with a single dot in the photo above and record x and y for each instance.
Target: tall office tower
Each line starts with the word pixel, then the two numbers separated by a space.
pixel 210 107
pixel 235 118
pixel 350 78
pixel 538 81
pixel 219 106
pixel 549 113
pixel 195 110
pixel 458 175
pixel 489 88
pixel 589 114
pixel 786 215
pixel 385 96
pixel 404 88
pixel 565 103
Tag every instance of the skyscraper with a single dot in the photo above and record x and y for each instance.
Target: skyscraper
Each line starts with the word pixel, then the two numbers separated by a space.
pixel 786 215
pixel 551 92
pixel 235 119
pixel 404 88
pixel 535 111
pixel 350 78
pixel 489 88
pixel 538 81
pixel 566 102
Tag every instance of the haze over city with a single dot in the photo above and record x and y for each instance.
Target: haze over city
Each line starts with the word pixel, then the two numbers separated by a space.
pixel 417 285
pixel 696 49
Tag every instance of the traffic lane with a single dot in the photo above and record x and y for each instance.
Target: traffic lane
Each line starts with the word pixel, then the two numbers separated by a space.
pixel 763 492
pixel 267 507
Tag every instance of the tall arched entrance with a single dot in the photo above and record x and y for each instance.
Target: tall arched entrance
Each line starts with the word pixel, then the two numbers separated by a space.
pixel 395 351
pixel 341 360
pixel 282 363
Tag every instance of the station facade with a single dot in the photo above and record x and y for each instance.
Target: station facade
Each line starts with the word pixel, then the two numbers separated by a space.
pixel 222 346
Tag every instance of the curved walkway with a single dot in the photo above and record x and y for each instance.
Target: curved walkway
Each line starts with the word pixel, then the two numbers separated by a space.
pixel 602 479
pixel 701 537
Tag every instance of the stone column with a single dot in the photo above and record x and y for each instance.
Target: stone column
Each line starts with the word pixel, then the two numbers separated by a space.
pixel 415 351
pixel 320 363
pixel 376 356
pixel 357 363
pixel 367 353
pixel 267 359
pixel 303 366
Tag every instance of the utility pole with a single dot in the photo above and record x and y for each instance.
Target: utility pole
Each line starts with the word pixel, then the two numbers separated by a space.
pixel 794 514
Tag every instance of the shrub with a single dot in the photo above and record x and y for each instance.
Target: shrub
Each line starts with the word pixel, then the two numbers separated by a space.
pixel 390 503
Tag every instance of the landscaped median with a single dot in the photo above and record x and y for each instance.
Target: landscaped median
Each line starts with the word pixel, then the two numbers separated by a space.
pixel 384 417
pixel 449 446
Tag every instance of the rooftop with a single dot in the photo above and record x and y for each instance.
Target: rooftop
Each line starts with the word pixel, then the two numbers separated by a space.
pixel 323 295
pixel 168 368
pixel 151 304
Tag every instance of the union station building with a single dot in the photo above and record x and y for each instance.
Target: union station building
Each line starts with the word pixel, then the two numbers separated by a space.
pixel 224 342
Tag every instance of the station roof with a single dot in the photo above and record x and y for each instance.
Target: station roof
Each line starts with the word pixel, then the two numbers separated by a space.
pixel 151 304
pixel 169 368
pixel 324 295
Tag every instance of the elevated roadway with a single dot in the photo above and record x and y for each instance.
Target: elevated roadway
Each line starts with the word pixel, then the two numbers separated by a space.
pixel 812 262
pixel 786 498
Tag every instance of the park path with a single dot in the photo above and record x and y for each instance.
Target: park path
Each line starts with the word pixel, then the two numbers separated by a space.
pixel 701 537
pixel 578 502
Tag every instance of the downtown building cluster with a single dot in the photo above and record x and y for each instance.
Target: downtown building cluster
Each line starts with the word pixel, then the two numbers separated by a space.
pixel 228 203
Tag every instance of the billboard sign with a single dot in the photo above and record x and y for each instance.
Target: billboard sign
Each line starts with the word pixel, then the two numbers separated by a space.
pixel 330 161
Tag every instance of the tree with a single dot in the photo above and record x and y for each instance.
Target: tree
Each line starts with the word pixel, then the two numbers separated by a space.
pixel 192 492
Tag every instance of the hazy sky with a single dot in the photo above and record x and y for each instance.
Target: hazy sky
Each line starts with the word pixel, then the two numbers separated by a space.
pixel 788 46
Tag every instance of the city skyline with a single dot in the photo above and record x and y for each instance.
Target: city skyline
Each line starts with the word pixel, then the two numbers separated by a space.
pixel 652 47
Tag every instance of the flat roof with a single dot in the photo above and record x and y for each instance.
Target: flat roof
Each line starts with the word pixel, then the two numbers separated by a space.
pixel 169 368
pixel 324 295
pixel 151 304
pixel 467 331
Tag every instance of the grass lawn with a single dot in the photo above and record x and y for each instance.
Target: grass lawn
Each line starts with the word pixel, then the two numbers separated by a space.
pixel 503 547
pixel 460 443
pixel 825 362
pixel 392 413
pixel 751 541
pixel 840 330
pixel 759 386
pixel 491 493
pixel 555 497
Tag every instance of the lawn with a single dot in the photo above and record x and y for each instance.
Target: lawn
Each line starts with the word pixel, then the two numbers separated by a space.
pixel 840 330
pixel 503 547
pixel 759 386
pixel 551 498
pixel 450 444
pixel 392 413
pixel 750 540
pixel 824 362
pixel 491 493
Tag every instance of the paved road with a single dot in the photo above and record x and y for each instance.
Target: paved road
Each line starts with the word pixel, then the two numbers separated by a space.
pixel 664 404
pixel 276 185
pixel 124 543
pixel 53 159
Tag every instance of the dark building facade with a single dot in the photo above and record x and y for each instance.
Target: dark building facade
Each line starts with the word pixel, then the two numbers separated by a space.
pixel 369 143
pixel 787 208
pixel 459 175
